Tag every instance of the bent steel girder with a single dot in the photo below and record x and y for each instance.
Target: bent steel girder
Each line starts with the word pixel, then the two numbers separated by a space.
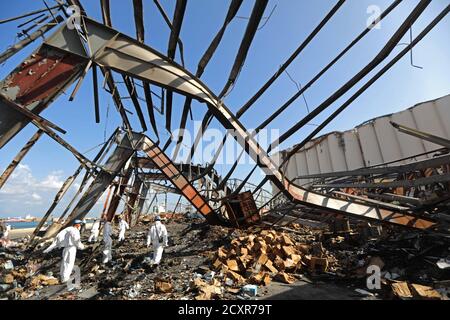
pixel 116 162
pixel 113 165
pixel 18 158
pixel 39 80
pixel 176 177
pixel 132 198
pixel 127 56
pixel 186 169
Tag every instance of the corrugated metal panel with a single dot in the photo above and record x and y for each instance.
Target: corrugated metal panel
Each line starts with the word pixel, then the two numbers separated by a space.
pixel 312 159
pixel 443 109
pixel 291 170
pixel 374 142
pixel 353 153
pixel 369 145
pixel 302 166
pixel 323 152
pixel 408 145
pixel 337 155
pixel 387 139
pixel 427 120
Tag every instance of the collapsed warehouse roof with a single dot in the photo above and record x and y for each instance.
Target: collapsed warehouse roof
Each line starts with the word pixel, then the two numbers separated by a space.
pixel 413 195
pixel 67 55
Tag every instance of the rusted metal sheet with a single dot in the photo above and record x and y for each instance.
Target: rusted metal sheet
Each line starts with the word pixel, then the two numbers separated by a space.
pixel 242 210
pixel 39 80
pixel 22 153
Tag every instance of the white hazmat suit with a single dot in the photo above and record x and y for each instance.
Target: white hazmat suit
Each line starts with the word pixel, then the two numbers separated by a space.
pixel 123 226
pixel 94 232
pixel 6 232
pixel 107 241
pixel 157 236
pixel 69 239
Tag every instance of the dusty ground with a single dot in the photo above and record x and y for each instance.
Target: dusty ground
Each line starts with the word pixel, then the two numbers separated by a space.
pixel 191 245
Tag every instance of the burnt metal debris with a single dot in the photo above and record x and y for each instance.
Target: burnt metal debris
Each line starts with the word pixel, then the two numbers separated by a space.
pixel 131 164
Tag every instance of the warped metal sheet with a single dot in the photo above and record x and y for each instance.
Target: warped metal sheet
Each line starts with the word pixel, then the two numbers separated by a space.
pixel 34 84
pixel 166 166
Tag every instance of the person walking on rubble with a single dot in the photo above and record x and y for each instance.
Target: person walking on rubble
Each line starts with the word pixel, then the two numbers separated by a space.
pixel 70 240
pixel 157 236
pixel 95 230
pixel 6 231
pixel 123 226
pixel 107 241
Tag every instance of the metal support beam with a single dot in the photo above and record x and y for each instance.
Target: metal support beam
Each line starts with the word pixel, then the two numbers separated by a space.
pixel 388 185
pixel 62 191
pixel 422 135
pixel 18 158
pixel 114 164
pixel 29 39
pixel 165 165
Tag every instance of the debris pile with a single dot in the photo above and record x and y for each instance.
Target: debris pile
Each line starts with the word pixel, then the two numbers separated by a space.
pixel 405 290
pixel 211 262
pixel 263 255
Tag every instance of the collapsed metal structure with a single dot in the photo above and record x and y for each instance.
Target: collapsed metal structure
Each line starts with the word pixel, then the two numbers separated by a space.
pixel 130 161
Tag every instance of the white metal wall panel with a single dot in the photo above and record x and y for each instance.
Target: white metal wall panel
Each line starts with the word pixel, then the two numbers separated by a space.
pixel 443 110
pixel 427 120
pixel 353 153
pixel 373 143
pixel 337 155
pixel 409 145
pixel 302 166
pixel 387 139
pixel 312 159
pixel 291 172
pixel 323 153
pixel 369 145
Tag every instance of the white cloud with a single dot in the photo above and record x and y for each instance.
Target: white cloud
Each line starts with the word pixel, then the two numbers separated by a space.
pixel 35 196
pixel 53 180
pixel 24 193
pixel 22 182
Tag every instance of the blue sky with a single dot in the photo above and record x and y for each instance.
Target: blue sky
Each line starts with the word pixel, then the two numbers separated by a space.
pixel 36 181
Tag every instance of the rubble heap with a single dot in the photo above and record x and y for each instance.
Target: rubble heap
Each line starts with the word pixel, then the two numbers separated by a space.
pixel 213 262
pixel 262 255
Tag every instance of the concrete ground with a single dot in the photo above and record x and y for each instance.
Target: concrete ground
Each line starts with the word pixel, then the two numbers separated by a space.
pixel 305 290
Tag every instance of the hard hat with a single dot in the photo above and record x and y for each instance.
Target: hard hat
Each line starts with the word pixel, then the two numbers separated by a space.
pixel 78 222
pixel 157 218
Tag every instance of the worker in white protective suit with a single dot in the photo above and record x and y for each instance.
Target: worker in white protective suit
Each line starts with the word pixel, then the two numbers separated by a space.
pixel 6 232
pixel 157 236
pixel 95 230
pixel 69 239
pixel 107 241
pixel 123 226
